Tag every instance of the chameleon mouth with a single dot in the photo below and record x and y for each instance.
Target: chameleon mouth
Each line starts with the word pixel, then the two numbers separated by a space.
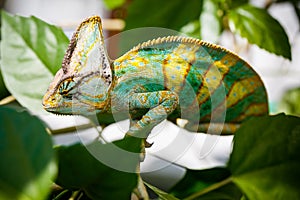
pixel 54 110
pixel 48 107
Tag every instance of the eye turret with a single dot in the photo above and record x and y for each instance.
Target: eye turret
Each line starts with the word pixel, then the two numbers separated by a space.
pixel 66 87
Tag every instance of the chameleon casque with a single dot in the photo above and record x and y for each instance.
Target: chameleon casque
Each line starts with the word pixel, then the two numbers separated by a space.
pixel 165 78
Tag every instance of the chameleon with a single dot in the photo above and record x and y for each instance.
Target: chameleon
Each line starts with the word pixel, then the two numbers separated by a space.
pixel 172 77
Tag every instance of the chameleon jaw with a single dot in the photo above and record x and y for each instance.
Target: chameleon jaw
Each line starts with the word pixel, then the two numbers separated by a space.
pixel 72 107
pixel 50 106
pixel 58 110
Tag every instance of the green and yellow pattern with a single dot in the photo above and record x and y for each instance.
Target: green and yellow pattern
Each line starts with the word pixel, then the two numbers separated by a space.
pixel 166 78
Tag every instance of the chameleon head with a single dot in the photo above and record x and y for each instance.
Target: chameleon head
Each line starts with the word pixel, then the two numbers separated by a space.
pixel 83 83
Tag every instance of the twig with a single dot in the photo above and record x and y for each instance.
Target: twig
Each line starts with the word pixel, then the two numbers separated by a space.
pixel 209 188
pixel 7 100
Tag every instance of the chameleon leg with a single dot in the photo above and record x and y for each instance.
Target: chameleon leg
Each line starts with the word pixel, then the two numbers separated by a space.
pixel 160 105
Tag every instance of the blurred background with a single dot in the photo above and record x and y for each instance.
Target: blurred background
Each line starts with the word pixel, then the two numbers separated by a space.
pixel 263 32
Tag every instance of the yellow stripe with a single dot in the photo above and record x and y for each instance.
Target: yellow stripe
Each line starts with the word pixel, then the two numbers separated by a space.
pixel 254 110
pixel 177 66
pixel 128 57
pixel 227 61
pixel 175 71
pixel 187 51
pixel 241 89
pixel 214 77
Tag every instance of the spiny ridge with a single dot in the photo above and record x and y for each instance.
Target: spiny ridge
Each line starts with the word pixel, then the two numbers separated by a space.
pixel 180 39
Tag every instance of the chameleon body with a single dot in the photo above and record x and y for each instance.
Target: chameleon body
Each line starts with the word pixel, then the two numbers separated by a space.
pixel 166 78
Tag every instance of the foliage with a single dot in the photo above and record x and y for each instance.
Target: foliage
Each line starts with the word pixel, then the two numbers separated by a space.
pixel 168 14
pixel 290 102
pixel 28 164
pixel 35 50
pixel 263 165
pixel 95 178
pixel 268 33
pixel 111 4
pixel 207 19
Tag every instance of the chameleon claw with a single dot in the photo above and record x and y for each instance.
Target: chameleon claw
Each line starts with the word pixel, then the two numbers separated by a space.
pixel 147 144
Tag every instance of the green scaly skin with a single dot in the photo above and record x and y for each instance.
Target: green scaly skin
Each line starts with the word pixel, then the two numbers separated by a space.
pixel 165 78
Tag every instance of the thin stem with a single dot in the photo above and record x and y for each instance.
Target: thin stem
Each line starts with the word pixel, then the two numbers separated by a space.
pixel 80 195
pixel 70 129
pixel 75 195
pixel 7 100
pixel 209 188
pixel 60 195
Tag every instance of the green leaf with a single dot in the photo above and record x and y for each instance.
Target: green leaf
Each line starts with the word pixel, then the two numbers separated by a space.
pixel 83 167
pixel 196 181
pixel 227 192
pixel 290 102
pixel 191 29
pixel 236 3
pixel 31 52
pixel 210 21
pixel 28 163
pixel 112 4
pixel 265 160
pixel 161 194
pixel 260 28
pixel 156 13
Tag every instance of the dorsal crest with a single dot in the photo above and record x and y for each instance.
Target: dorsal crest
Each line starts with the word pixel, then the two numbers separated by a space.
pixel 178 39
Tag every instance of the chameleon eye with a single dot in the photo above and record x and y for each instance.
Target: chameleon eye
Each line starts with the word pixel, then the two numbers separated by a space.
pixel 65 87
pixel 63 92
